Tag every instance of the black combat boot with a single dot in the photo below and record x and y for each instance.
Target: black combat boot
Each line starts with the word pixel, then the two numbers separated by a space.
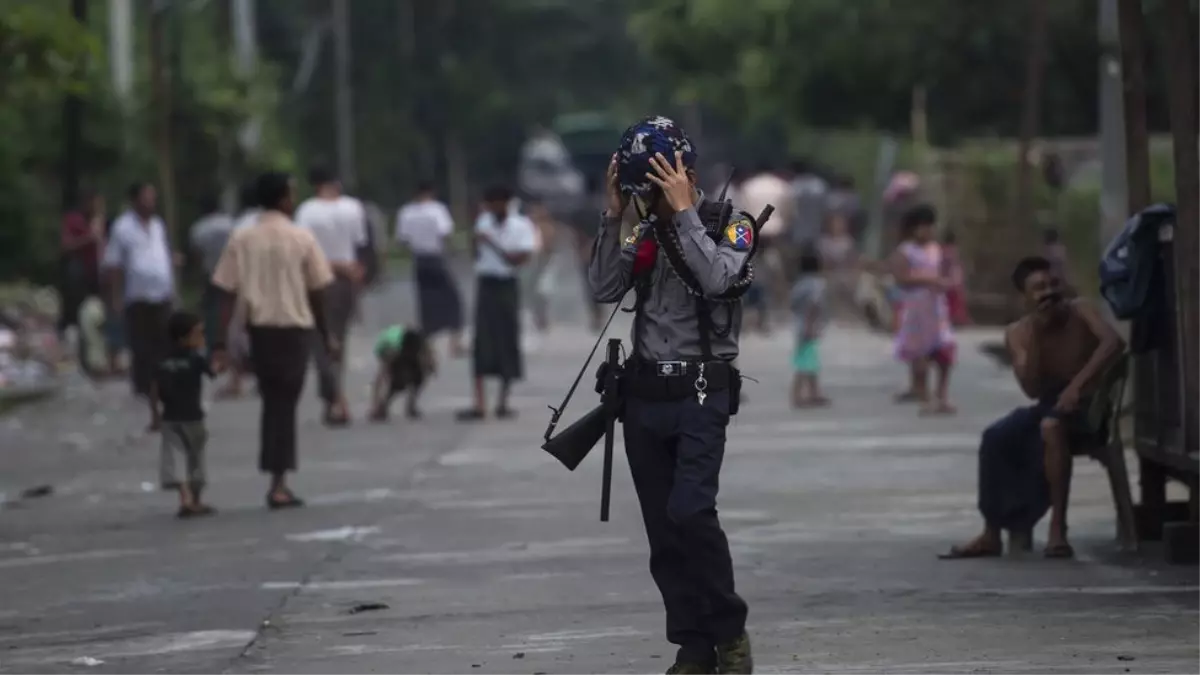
pixel 735 657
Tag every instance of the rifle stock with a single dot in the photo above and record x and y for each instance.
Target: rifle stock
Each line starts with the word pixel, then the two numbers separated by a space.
pixel 574 443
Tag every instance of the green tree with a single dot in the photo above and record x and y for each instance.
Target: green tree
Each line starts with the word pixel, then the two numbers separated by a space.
pixel 840 64
pixel 44 54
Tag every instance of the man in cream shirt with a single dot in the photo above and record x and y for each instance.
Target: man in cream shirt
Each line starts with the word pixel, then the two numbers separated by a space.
pixel 339 224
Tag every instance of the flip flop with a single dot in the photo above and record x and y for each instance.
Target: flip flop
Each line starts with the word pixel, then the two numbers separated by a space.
pixel 1059 552
pixel 942 409
pixel 908 397
pixel 959 553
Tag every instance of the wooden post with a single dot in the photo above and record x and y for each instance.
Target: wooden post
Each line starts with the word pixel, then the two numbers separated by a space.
pixel 1133 73
pixel 1183 95
pixel 1031 109
pixel 1147 429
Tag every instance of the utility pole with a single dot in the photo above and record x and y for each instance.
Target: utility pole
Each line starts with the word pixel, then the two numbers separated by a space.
pixel 73 129
pixel 343 97
pixel 120 48
pixel 1114 207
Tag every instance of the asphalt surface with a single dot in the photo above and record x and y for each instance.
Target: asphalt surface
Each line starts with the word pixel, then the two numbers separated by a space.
pixel 435 547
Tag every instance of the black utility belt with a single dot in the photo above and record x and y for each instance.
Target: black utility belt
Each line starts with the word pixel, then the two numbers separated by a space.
pixel 670 380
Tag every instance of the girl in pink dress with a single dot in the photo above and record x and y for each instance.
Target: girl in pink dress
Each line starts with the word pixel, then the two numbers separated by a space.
pixel 924 332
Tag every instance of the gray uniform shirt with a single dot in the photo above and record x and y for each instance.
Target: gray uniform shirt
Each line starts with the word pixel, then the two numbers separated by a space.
pixel 669 324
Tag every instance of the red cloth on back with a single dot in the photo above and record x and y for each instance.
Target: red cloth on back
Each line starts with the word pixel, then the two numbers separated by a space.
pixel 75 226
pixel 647 251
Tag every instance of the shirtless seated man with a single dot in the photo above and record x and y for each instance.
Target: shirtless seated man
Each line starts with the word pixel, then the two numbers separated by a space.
pixel 1059 349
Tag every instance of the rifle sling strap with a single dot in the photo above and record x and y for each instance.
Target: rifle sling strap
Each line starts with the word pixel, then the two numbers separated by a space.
pixel 571 392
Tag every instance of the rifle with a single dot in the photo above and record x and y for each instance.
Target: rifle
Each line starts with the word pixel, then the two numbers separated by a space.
pixel 610 402
pixel 574 443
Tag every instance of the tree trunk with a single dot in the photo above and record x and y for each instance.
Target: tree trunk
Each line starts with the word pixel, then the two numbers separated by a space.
pixel 1031 108
pixel 457 177
pixel 343 94
pixel 1183 96
pixel 72 130
pixel 160 97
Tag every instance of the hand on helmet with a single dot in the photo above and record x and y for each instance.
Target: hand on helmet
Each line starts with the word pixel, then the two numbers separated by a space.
pixel 617 200
pixel 674 181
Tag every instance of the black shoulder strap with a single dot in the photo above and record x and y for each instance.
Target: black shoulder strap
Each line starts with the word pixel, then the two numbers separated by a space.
pixel 556 413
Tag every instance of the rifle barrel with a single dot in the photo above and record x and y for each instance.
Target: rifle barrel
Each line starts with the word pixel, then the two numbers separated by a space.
pixel 610 394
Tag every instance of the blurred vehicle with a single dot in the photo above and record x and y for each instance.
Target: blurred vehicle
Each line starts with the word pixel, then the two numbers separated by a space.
pixel 546 173
pixel 563 166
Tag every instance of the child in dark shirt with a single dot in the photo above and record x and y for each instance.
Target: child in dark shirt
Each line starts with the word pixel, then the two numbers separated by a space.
pixel 405 362
pixel 176 410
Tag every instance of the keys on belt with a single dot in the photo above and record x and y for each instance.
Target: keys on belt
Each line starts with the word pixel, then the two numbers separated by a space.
pixel 680 369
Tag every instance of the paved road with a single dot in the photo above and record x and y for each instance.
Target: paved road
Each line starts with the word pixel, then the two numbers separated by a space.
pixel 489 556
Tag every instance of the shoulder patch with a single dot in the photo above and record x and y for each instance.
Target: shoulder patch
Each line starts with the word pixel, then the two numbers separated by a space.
pixel 740 234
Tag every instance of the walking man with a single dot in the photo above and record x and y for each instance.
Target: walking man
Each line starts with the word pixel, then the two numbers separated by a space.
pixel 680 384
pixel 339 225
pixel 280 275
pixel 141 269
pixel 504 242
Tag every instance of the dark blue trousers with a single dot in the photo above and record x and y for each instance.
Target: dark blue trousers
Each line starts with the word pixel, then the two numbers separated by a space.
pixel 675 450
pixel 1013 492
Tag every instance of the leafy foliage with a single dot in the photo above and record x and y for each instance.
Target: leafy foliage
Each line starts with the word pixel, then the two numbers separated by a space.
pixel 854 64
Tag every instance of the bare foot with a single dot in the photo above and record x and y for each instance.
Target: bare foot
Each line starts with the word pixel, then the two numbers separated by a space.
pixel 939 408
pixel 910 396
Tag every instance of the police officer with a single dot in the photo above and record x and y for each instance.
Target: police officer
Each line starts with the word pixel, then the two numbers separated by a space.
pixel 680 384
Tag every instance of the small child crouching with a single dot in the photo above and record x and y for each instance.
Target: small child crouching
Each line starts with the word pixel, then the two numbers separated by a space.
pixel 405 361
pixel 808 303
pixel 176 410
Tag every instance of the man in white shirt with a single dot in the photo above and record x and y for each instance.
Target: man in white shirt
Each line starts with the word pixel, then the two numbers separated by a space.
pixel 504 242
pixel 339 224
pixel 141 271
pixel 422 226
